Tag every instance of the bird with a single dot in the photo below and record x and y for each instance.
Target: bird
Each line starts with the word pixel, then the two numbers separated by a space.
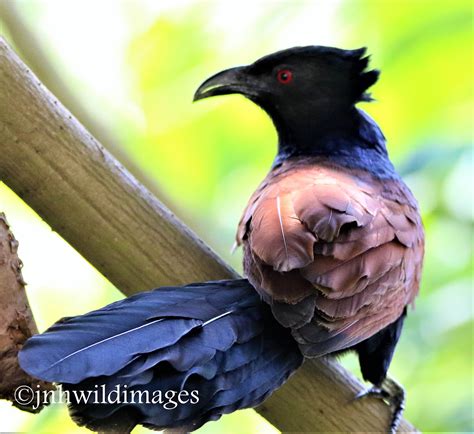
pixel 333 247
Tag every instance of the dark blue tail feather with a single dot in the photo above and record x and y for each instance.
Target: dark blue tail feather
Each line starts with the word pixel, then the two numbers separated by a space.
pixel 216 339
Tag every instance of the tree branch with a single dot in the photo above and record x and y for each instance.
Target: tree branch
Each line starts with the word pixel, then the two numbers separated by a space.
pixel 32 47
pixel 85 195
pixel 16 322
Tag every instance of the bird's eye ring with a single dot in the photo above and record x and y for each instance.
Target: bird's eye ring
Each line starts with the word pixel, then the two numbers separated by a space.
pixel 284 76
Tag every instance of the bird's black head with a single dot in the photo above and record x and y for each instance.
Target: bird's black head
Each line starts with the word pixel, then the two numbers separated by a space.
pixel 307 91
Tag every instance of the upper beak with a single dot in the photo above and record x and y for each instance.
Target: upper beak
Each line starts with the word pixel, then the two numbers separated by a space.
pixel 233 80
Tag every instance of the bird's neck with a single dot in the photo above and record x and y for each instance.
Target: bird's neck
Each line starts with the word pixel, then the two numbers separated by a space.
pixel 350 138
pixel 306 130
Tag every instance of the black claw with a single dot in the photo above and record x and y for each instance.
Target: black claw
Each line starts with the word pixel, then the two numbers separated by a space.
pixel 391 393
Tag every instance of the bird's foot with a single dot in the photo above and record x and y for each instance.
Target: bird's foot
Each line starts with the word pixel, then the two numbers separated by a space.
pixel 393 394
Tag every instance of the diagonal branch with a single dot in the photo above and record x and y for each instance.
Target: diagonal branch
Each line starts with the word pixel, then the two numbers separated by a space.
pixel 84 194
pixel 33 49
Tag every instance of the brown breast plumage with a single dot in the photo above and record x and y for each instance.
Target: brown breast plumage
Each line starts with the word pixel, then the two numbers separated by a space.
pixel 337 253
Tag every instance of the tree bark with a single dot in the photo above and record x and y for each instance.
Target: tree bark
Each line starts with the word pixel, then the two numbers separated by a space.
pixel 16 324
pixel 85 195
pixel 32 47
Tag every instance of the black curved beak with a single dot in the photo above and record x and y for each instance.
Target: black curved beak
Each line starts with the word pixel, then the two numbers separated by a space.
pixel 233 80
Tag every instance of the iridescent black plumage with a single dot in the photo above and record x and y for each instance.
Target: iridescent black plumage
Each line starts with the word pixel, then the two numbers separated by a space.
pixel 215 338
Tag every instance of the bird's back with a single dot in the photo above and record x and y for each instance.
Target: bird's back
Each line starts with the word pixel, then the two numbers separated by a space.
pixel 337 252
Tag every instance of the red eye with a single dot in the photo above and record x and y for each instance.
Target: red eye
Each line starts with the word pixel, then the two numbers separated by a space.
pixel 284 76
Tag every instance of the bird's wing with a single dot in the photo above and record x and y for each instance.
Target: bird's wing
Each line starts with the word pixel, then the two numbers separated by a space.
pixel 337 254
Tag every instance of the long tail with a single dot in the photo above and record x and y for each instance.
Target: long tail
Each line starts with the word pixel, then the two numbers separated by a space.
pixel 177 357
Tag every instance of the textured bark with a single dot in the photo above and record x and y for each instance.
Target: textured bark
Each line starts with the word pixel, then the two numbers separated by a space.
pixel 16 320
pixel 85 195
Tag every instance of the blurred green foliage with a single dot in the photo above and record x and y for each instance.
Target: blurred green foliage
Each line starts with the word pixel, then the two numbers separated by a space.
pixel 208 157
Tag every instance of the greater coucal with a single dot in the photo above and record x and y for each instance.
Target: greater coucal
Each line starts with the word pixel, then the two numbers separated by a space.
pixel 333 244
